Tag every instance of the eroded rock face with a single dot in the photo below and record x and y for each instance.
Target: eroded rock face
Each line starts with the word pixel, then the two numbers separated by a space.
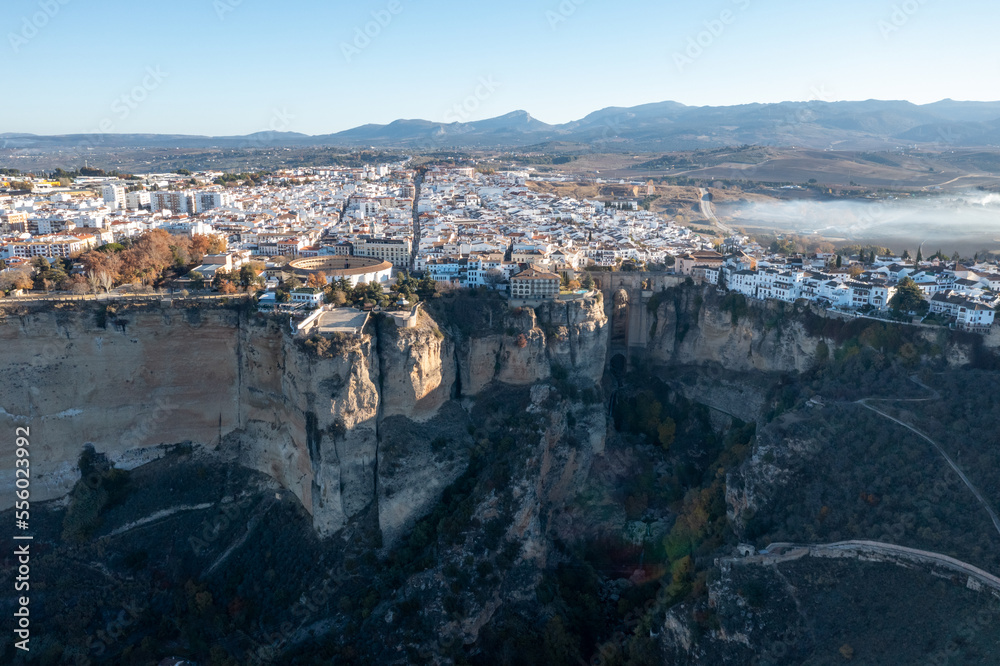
pixel 418 369
pixel 686 331
pixel 579 340
pixel 780 450
pixel 238 385
pixel 571 335
pixel 416 462
pixel 311 422
pixel 146 379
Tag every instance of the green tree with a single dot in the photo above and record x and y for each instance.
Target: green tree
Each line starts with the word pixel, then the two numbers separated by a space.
pixel 588 281
pixel 336 297
pixel 908 298
pixel 782 246
pixel 920 256
pixel 197 279
pixel 375 293
pixel 250 276
pixel 221 276
pixel 560 646
pixel 840 261
pixel 666 432
pixel 427 288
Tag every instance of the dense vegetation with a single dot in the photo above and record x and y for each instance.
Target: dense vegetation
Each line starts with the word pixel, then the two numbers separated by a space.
pixel 149 260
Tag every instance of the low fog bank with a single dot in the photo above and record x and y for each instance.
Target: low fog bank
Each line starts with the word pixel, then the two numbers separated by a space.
pixel 968 222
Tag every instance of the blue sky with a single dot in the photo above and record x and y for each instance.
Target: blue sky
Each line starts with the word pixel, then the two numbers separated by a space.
pixel 238 66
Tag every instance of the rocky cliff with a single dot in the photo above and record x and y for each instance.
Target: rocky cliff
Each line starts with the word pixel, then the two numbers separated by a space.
pixel 127 382
pixel 523 348
pixel 310 414
pixel 694 325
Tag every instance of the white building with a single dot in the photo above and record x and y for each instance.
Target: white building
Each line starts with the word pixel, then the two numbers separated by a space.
pixel 395 251
pixel 137 200
pixel 204 201
pixel 114 196
pixel 175 202
pixel 307 295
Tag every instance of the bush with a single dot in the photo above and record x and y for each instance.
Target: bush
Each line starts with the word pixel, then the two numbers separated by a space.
pixel 100 488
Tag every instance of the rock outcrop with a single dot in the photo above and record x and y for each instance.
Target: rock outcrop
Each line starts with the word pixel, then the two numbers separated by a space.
pixel 691 326
pixel 569 335
pixel 134 382
pixel 126 382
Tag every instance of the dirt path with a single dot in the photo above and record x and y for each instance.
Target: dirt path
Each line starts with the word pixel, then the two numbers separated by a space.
pixel 951 463
pixel 709 212
pixel 777 553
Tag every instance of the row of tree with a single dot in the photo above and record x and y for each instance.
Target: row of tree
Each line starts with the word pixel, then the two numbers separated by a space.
pixel 148 260
pixel 340 292
pixel 573 284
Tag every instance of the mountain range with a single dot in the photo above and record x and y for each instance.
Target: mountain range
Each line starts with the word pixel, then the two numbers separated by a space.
pixel 863 125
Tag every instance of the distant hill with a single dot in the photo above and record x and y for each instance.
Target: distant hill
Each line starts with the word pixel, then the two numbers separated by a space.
pixel 870 124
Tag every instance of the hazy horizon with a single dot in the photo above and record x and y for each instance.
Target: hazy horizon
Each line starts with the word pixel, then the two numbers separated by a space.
pixel 592 111
pixel 967 222
pixel 233 67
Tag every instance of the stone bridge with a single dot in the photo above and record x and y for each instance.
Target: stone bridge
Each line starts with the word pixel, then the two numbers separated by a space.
pixel 626 296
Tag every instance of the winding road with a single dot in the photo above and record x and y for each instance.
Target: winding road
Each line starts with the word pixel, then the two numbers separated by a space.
pixel 709 212
pixel 951 463
pixel 777 553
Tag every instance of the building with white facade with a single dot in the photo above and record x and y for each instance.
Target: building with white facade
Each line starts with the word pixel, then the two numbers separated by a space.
pixel 137 200
pixel 205 201
pixel 395 251
pixel 356 270
pixel 114 196
pixel 175 202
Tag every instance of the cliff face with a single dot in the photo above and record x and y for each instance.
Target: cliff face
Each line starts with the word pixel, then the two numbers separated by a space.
pixel 133 383
pixel 780 449
pixel 146 379
pixel 310 421
pixel 571 335
pixel 691 327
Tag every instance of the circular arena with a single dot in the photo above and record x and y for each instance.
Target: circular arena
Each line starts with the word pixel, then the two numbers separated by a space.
pixel 354 269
